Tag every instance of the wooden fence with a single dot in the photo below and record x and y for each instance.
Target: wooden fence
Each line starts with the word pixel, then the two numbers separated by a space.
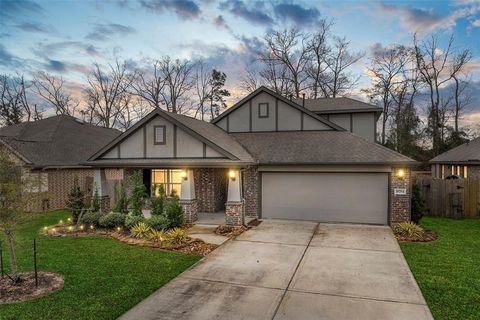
pixel 451 198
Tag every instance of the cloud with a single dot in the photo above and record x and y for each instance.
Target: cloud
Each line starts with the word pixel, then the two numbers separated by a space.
pixel 296 13
pixel 254 14
pixel 47 50
pixel 65 67
pixel 10 10
pixel 33 27
pixel 103 32
pixel 7 59
pixel 423 20
pixel 186 9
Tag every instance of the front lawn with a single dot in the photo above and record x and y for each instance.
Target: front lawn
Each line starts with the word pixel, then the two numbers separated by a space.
pixel 448 269
pixel 103 277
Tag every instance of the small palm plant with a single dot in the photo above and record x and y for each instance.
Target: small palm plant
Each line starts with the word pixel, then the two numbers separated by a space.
pixel 176 236
pixel 157 235
pixel 140 230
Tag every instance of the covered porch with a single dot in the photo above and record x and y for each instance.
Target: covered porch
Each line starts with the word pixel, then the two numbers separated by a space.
pixel 211 196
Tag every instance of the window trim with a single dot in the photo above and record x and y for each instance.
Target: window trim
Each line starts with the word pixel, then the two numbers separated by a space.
pixel 260 108
pixel 155 142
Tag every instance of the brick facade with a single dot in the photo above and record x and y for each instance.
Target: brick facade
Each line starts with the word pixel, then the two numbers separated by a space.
pixel 251 191
pixel 234 213
pixel 210 189
pixel 190 208
pixel 400 210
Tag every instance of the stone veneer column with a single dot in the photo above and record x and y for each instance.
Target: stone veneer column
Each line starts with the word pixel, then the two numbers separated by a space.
pixel 234 208
pixel 400 204
pixel 188 199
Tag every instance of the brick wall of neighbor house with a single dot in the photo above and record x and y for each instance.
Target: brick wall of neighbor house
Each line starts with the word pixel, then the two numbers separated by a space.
pixel 474 172
pixel 210 189
pixel 400 204
pixel 61 182
pixel 251 191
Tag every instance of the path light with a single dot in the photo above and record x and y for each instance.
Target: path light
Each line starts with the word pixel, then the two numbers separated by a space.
pixel 69 219
pixel 45 228
pixel 401 173
pixel 70 228
pixel 61 222
pixel 232 175
pixel 81 227
pixel 54 230
pixel 91 226
pixel 119 229
pixel 183 174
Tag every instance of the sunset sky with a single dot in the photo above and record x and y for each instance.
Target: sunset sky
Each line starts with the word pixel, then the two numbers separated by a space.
pixel 66 37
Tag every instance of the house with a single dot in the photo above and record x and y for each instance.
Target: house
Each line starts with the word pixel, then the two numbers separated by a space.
pixel 50 153
pixel 462 161
pixel 268 157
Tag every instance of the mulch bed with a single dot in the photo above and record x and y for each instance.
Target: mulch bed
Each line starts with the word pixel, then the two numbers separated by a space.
pixel 194 246
pixel 230 231
pixel 26 290
pixel 428 235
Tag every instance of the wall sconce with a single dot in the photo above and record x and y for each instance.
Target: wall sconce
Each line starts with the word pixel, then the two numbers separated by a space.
pixel 183 174
pixel 231 175
pixel 401 173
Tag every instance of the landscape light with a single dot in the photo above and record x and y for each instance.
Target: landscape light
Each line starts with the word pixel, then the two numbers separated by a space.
pixel 70 228
pixel 81 227
pixel 61 222
pixel 91 226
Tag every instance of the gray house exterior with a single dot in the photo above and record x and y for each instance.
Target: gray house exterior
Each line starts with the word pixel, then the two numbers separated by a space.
pixel 462 161
pixel 268 157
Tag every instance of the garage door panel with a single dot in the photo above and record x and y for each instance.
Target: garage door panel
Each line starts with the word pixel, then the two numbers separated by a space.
pixel 332 197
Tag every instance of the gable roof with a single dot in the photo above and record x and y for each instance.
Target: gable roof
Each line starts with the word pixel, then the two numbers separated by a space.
pixel 206 132
pixel 282 98
pixel 468 152
pixel 337 105
pixel 317 147
pixel 54 142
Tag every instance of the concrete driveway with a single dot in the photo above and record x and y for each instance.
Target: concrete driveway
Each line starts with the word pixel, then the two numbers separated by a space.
pixel 294 270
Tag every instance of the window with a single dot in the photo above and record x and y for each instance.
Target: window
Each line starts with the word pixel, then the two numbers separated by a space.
pixel 443 171
pixel 459 171
pixel 171 179
pixel 453 170
pixel 159 134
pixel 263 110
pixel 465 171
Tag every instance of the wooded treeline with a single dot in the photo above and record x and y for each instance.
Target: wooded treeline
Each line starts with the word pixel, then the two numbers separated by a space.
pixel 427 77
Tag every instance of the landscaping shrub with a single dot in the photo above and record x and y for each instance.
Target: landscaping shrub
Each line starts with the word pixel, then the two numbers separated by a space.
pixel 157 235
pixel 177 236
pixel 174 212
pixel 91 218
pixel 135 201
pixel 418 203
pixel 158 202
pixel 408 230
pixel 121 204
pixel 130 221
pixel 140 230
pixel 112 220
pixel 158 222
pixel 95 205
pixel 75 201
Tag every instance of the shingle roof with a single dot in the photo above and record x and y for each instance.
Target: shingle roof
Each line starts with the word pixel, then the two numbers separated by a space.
pixel 59 141
pixel 317 147
pixel 342 104
pixel 467 152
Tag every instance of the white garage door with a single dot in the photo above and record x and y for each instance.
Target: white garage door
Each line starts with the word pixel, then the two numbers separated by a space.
pixel 328 197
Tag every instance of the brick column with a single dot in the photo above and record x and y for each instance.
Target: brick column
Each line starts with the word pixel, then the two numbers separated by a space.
pixel 190 210
pixel 400 196
pixel 234 213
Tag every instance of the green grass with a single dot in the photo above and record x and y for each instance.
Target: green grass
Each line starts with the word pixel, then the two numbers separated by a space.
pixel 448 269
pixel 103 277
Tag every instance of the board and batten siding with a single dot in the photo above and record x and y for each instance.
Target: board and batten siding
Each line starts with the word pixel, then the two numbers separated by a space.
pixel 362 124
pixel 178 144
pixel 281 117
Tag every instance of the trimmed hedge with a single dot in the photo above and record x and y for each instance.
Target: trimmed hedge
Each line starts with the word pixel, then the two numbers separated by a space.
pixel 91 218
pixel 130 221
pixel 158 222
pixel 112 220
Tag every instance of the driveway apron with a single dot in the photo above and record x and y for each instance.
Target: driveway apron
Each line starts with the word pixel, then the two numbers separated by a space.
pixel 294 270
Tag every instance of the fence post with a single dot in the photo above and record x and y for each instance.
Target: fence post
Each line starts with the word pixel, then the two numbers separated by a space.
pixel 35 261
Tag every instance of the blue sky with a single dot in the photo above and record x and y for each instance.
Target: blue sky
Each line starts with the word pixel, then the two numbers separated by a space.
pixel 66 37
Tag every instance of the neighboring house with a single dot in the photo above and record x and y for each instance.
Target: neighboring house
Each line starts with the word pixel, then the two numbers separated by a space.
pixel 50 152
pixel 462 161
pixel 268 157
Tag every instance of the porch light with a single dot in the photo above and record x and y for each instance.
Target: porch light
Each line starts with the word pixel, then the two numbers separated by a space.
pixel 183 174
pixel 231 175
pixel 401 173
